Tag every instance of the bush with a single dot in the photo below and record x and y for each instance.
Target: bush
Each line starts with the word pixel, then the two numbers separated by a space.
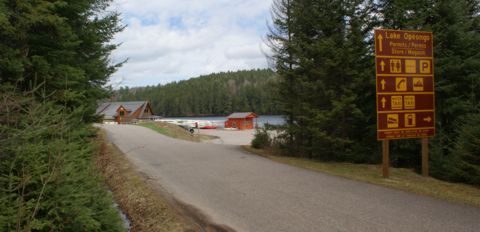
pixel 47 180
pixel 261 138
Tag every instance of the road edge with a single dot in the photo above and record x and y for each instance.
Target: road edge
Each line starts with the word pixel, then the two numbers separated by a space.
pixel 147 205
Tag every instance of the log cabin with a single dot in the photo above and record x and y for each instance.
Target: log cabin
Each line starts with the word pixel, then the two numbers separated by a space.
pixel 125 112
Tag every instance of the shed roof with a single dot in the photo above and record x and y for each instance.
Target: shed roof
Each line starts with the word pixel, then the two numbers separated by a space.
pixel 109 109
pixel 243 115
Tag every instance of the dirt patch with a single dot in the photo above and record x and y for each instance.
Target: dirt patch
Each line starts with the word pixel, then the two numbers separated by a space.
pixel 147 205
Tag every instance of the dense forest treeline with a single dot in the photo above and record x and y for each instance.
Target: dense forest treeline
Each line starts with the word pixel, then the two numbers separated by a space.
pixel 54 64
pixel 323 54
pixel 213 94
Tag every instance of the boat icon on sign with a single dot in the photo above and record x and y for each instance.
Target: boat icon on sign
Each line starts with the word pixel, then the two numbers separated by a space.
pixel 392 120
pixel 417 84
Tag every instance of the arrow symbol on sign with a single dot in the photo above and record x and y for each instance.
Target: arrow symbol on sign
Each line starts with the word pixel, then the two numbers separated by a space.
pixel 380 39
pixel 383 102
pixel 383 82
pixel 382 64
pixel 428 119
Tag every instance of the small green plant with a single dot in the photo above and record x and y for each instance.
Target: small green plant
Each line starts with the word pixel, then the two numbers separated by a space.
pixel 261 138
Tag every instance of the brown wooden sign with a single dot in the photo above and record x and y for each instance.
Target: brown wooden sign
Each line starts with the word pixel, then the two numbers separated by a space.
pixel 405 84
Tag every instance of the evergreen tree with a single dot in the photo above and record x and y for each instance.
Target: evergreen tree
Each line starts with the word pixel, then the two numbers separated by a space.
pixel 53 68
pixel 322 58
pixel 282 41
pixel 62 45
pixel 466 153
pixel 457 77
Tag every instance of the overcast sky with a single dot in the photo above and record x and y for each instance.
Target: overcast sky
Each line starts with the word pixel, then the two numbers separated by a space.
pixel 168 40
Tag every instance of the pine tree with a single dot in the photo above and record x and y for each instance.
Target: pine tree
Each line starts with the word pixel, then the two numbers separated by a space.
pixel 53 68
pixel 327 65
pixel 281 42
pixel 62 46
pixel 457 77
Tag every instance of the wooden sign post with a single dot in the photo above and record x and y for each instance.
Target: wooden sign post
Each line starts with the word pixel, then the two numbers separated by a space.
pixel 385 158
pixel 425 157
pixel 405 89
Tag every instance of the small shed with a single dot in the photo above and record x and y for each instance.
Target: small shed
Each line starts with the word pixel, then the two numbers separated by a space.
pixel 241 120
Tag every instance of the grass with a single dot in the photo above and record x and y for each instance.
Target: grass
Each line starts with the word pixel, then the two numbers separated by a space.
pixel 145 207
pixel 400 178
pixel 176 132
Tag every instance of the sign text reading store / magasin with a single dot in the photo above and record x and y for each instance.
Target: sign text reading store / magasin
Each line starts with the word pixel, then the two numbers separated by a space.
pixel 405 84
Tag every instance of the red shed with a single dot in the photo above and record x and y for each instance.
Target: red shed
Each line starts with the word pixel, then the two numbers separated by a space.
pixel 241 121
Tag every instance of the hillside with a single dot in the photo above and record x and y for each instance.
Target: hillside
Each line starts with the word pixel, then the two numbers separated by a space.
pixel 213 94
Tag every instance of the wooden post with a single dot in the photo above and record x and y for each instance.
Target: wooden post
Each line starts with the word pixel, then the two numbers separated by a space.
pixel 386 159
pixel 425 157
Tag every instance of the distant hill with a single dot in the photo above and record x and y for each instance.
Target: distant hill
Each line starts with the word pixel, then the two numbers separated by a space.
pixel 213 94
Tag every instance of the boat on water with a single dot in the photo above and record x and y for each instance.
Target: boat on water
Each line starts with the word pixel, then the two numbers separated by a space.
pixel 202 124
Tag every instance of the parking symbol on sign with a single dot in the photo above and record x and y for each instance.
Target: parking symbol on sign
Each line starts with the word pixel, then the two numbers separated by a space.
pixel 425 66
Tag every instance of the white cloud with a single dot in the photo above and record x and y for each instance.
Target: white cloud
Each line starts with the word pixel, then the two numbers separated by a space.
pixel 177 39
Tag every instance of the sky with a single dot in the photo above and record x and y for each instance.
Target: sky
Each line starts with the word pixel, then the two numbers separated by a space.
pixel 171 40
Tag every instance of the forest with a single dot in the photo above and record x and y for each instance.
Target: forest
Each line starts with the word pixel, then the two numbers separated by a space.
pixel 54 65
pixel 323 55
pixel 214 94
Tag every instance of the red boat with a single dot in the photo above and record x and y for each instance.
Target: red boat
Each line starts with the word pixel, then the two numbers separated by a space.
pixel 209 127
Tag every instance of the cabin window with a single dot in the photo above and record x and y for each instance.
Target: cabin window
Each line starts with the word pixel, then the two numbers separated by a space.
pixel 146 110
pixel 122 113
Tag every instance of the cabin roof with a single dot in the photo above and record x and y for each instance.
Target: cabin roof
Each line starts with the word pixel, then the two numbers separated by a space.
pixel 109 109
pixel 243 115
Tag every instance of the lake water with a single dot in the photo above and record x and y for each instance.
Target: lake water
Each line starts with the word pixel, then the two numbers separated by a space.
pixel 262 119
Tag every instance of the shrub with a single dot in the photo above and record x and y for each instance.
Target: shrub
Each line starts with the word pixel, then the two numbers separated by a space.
pixel 47 180
pixel 261 138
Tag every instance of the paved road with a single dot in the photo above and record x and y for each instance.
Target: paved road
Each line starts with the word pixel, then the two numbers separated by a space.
pixel 251 193
pixel 232 137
